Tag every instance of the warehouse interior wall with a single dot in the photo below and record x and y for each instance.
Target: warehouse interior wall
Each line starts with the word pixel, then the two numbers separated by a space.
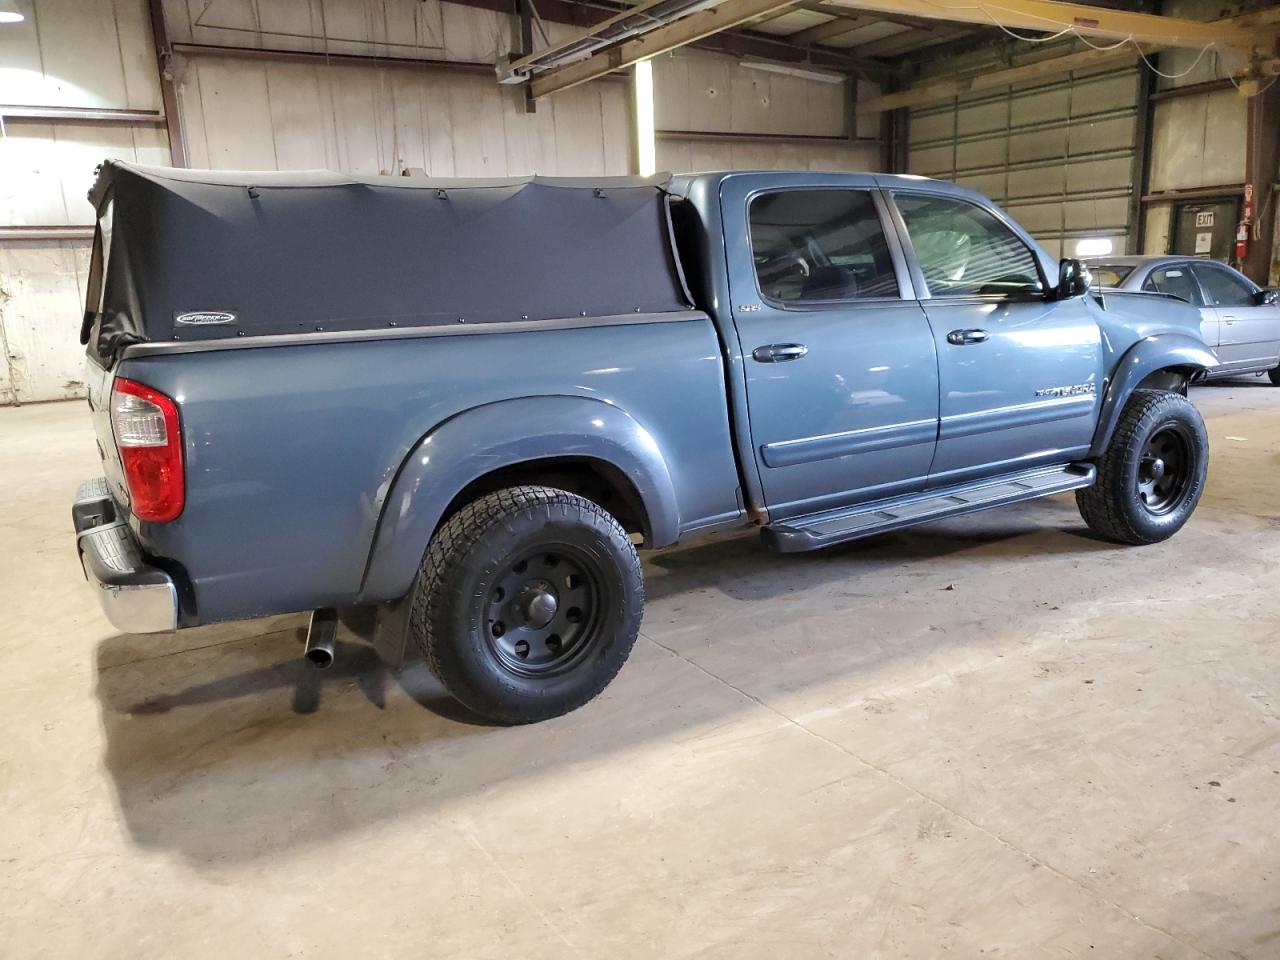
pixel 1082 156
pixel 1057 154
pixel 395 86
pixel 434 108
pixel 367 86
pixel 1198 131
pixel 712 112
pixel 94 56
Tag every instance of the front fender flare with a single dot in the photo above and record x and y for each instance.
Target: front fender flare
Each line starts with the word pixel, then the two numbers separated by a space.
pixel 1163 351
pixel 507 433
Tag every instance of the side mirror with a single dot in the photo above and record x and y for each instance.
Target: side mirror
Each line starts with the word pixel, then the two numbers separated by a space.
pixel 1074 279
pixel 1267 297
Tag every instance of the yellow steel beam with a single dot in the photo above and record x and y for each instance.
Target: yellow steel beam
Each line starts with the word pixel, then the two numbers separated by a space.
pixel 685 30
pixel 832 28
pixel 935 91
pixel 509 70
pixel 1050 16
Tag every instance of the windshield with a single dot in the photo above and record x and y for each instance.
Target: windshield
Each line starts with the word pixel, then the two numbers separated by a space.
pixel 1108 274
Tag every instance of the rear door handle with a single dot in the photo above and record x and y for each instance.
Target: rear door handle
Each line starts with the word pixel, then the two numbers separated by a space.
pixel 777 352
pixel 959 338
pixel 1229 319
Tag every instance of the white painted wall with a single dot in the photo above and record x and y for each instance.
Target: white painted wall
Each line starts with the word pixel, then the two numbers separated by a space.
pixel 94 54
pixel 79 53
pixel 1199 141
pixel 703 92
pixel 370 118
pixel 253 114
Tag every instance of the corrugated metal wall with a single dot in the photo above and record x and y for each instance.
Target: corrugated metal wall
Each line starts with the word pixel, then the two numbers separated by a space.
pixel 1057 155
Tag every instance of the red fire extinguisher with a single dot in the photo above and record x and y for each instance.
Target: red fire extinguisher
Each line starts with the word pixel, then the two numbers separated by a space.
pixel 1242 239
pixel 1242 228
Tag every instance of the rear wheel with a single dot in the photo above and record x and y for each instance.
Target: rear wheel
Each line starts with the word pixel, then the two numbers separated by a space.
pixel 1274 374
pixel 1151 477
pixel 527 603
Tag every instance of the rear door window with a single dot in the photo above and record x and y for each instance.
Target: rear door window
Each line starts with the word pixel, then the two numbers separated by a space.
pixel 1175 280
pixel 964 250
pixel 819 246
pixel 1222 287
pixel 1108 274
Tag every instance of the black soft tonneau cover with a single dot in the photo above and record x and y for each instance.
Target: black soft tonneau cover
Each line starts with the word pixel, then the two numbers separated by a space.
pixel 289 253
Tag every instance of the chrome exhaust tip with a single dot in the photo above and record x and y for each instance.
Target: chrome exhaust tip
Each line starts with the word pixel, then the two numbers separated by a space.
pixel 320 635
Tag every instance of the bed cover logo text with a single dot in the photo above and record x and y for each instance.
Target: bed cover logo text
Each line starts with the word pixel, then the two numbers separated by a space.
pixel 204 318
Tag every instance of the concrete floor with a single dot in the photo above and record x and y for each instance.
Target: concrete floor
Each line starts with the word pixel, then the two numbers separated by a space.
pixel 989 737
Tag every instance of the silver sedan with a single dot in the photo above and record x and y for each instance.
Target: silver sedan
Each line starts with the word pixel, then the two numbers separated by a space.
pixel 1239 319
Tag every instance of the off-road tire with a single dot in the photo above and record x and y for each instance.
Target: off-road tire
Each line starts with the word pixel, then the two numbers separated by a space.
pixel 1113 507
pixel 455 595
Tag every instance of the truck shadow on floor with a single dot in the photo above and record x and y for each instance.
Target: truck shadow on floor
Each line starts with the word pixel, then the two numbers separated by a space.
pixel 230 747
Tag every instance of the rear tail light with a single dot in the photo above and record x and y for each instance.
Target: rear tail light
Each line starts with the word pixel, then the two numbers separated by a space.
pixel 149 438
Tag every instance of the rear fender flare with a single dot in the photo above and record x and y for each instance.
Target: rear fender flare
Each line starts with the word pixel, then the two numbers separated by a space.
pixel 507 433
pixel 1164 351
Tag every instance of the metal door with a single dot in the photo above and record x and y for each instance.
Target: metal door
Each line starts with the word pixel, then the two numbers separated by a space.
pixel 841 373
pixel 1176 280
pixel 1206 228
pixel 1019 372
pixel 1249 334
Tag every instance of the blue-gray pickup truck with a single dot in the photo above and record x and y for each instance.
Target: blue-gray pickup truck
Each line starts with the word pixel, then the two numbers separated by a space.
pixel 472 400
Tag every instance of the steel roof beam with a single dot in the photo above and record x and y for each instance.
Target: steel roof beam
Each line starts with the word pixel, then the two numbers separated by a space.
pixel 686 30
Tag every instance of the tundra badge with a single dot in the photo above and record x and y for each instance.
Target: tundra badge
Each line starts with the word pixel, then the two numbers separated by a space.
pixel 1075 390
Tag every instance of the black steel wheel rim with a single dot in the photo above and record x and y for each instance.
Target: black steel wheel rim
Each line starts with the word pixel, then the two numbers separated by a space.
pixel 544 610
pixel 1165 469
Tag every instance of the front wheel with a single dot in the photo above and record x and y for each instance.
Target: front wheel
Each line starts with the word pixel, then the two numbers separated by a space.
pixel 1274 374
pixel 527 603
pixel 1151 477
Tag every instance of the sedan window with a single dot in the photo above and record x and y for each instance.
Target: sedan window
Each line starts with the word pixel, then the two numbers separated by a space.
pixel 1175 281
pixel 1108 274
pixel 1224 287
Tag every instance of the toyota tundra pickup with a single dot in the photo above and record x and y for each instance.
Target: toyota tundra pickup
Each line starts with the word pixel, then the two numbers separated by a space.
pixel 473 400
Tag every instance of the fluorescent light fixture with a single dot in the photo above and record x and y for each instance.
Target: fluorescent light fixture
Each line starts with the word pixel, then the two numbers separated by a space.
pixel 792 70
pixel 1094 247
pixel 11 16
pixel 646 141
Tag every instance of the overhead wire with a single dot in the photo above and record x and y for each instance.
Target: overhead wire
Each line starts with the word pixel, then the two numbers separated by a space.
pixel 1073 31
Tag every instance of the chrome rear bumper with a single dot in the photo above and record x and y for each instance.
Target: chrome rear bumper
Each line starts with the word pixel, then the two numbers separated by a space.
pixel 136 596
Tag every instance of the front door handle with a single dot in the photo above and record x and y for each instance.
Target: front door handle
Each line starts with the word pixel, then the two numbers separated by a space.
pixel 1229 319
pixel 958 338
pixel 777 352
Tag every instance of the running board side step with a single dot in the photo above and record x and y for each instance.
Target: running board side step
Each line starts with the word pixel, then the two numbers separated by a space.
pixel 818 530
